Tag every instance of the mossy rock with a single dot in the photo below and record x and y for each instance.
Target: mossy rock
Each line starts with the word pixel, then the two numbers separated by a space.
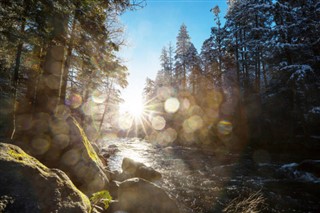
pixel 26 185
pixel 60 142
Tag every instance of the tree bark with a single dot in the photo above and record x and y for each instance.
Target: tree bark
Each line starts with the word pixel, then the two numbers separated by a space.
pixel 50 84
pixel 15 78
pixel 67 63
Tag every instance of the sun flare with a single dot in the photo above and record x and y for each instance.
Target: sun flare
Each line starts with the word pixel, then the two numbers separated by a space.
pixel 133 108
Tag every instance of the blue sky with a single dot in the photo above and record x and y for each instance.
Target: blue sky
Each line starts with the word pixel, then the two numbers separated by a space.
pixel 154 26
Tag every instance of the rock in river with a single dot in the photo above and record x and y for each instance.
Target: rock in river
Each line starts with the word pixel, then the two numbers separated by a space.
pixel 311 166
pixel 138 195
pixel 132 169
pixel 26 185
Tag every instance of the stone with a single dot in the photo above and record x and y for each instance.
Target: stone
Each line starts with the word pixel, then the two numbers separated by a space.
pixel 83 165
pixel 311 166
pixel 132 169
pixel 60 142
pixel 138 195
pixel 109 151
pixel 26 185
pixel 113 146
pixel 113 190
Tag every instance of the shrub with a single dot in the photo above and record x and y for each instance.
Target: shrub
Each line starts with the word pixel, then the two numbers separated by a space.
pixel 102 197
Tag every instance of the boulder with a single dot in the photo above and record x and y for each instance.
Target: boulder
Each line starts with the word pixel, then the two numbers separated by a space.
pixel 138 195
pixel 113 146
pixel 60 142
pixel 111 150
pixel 26 185
pixel 131 168
pixel 82 164
pixel 310 166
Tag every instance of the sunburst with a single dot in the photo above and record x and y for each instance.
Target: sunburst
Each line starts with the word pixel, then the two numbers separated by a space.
pixel 148 119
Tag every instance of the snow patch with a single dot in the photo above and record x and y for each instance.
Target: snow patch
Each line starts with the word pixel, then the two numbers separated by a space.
pixel 288 166
pixel 292 172
pixel 300 72
pixel 315 110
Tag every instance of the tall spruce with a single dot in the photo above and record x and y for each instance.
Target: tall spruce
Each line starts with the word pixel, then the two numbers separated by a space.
pixel 182 46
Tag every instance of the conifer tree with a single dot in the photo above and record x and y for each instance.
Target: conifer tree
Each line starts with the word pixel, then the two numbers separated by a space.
pixel 182 46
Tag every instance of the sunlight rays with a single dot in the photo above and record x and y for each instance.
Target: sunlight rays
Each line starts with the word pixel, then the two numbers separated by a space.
pixel 172 116
pixel 137 116
pixel 133 108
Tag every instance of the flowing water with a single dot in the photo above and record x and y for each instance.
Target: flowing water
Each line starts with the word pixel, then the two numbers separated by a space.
pixel 203 181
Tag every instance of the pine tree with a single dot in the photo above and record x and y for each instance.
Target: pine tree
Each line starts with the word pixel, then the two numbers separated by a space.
pixel 217 39
pixel 193 65
pixel 209 63
pixel 149 91
pixel 170 62
pixel 166 62
pixel 249 24
pixel 295 61
pixel 182 47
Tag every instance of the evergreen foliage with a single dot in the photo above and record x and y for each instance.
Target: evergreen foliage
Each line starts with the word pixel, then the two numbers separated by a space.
pixel 257 71
pixel 80 37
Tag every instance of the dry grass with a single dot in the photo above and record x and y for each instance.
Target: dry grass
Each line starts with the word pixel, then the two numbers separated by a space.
pixel 252 203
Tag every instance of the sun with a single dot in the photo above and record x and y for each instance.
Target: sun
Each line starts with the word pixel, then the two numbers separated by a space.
pixel 136 109
pixel 133 108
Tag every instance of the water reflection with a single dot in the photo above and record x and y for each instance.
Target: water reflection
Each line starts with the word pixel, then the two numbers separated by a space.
pixel 134 156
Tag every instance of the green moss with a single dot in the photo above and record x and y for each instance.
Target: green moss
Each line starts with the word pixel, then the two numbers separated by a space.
pixel 84 198
pixel 13 153
pixel 92 154
pixel 18 155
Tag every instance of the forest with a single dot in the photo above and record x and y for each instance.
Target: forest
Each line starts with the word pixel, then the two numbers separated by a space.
pixel 55 55
pixel 246 105
pixel 256 75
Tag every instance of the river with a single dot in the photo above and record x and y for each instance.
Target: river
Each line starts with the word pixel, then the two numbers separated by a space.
pixel 204 181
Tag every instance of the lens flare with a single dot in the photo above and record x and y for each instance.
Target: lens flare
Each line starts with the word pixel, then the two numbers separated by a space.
pixel 40 145
pixel 134 108
pixel 125 122
pixel 224 127
pixel 171 105
pixel 71 157
pixel 52 82
pixel 98 97
pixel 192 124
pixel 163 93
pixel 75 101
pixel 185 104
pixel 89 108
pixel 170 135
pixel 158 122
pixel 62 112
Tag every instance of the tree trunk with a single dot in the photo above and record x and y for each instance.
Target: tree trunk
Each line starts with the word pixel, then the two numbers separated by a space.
pixel 237 58
pixel 15 78
pixel 67 63
pixel 264 75
pixel 104 114
pixel 259 71
pixel 15 87
pixel 105 106
pixel 38 78
pixel 49 87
